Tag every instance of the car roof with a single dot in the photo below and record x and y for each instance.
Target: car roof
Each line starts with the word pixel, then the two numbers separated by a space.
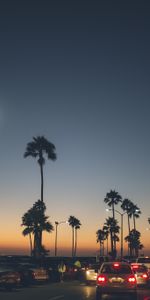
pixel 116 262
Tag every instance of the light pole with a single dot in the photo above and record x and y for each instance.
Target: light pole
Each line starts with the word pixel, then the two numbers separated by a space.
pixel 56 233
pixel 121 239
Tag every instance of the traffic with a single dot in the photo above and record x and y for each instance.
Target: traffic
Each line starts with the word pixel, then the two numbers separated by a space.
pixel 79 279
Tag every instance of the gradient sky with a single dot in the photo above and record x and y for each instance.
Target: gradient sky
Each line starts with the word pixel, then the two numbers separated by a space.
pixel 77 72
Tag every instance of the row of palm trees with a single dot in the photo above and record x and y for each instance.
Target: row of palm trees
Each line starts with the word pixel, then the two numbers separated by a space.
pixel 112 229
pixel 41 149
pixel 35 222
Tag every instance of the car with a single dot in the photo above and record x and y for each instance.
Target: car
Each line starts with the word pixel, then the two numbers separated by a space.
pixel 144 260
pixel 26 274
pixel 116 278
pixel 9 277
pixel 72 272
pixel 141 273
pixel 38 273
pixel 90 273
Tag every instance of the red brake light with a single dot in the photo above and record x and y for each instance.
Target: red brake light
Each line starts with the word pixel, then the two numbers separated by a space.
pixel 116 265
pixel 145 276
pixel 135 267
pixel 101 279
pixel 132 279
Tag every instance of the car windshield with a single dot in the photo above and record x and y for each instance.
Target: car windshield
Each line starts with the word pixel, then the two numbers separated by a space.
pixel 110 269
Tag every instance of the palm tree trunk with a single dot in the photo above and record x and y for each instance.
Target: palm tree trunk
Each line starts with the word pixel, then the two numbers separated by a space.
pixel 42 181
pixel 30 240
pixel 134 222
pixel 42 186
pixel 114 241
pixel 72 241
pixel 36 245
pixel 103 248
pixel 107 245
pixel 129 246
pixel 111 241
pixel 75 246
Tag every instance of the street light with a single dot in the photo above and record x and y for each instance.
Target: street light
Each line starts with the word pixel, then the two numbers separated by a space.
pixel 121 240
pixel 56 234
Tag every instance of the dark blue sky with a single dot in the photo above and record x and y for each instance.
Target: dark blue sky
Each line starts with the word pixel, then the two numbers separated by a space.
pixel 77 72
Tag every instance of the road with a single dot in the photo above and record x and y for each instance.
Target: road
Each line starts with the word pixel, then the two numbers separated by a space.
pixel 60 291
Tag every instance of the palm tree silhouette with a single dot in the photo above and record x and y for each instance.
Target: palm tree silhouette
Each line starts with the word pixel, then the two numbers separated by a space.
pixel 100 234
pixel 106 235
pixel 77 226
pixel 132 210
pixel 38 148
pixel 113 228
pixel 113 198
pixel 135 213
pixel 126 206
pixel 134 240
pixel 28 230
pixel 74 222
pixel 36 222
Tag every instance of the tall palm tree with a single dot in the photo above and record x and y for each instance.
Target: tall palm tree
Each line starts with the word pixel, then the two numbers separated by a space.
pixel 126 206
pixel 112 198
pixel 134 240
pixel 113 228
pixel 36 222
pixel 100 234
pixel 39 148
pixel 73 222
pixel 28 230
pixel 135 213
pixel 106 235
pixel 78 225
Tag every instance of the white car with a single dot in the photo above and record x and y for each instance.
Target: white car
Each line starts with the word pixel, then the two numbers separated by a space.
pixel 144 260
pixel 91 273
pixel 141 273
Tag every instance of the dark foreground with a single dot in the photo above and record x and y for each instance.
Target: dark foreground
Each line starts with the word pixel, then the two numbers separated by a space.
pixel 60 291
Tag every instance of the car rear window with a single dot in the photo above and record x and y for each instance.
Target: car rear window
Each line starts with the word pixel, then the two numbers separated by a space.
pixel 96 267
pixel 110 269
pixel 143 260
pixel 139 268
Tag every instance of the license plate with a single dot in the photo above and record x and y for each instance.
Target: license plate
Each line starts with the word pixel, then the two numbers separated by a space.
pixel 116 280
pixel 10 281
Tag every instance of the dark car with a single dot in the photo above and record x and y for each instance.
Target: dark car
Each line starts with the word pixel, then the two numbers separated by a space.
pixel 9 277
pixel 35 273
pixel 118 279
pixel 26 274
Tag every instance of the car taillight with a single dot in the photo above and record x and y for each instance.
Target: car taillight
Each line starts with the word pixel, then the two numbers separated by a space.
pixel 145 276
pixel 101 279
pixel 116 265
pixel 135 267
pixel 132 279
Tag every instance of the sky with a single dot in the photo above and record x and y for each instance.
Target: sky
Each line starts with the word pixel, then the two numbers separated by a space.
pixel 77 72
